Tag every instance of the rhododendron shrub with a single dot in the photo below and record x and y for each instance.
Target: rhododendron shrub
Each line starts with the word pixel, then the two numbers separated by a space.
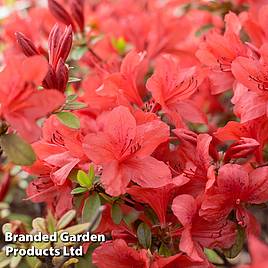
pixel 145 121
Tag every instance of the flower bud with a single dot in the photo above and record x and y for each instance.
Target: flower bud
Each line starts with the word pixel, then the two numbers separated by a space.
pixel 50 81
pixel 185 135
pixel 59 44
pixel 77 10
pixel 61 75
pixel 26 45
pixel 241 149
pixel 60 13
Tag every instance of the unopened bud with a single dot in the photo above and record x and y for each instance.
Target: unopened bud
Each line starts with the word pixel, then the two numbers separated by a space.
pixel 185 135
pixel 77 10
pixel 59 44
pixel 60 13
pixel 61 75
pixel 26 45
pixel 241 149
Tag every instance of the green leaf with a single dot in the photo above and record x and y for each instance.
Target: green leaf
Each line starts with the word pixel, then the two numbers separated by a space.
pixel 73 175
pixel 86 260
pixel 213 256
pixel 17 150
pixel 116 214
pixel 83 179
pixel 131 217
pixel 78 52
pixel 69 119
pixel 91 207
pixel 72 97
pixel 205 28
pixel 74 80
pixel 51 223
pixel 66 219
pixel 233 251
pixel 150 214
pixel 39 224
pixel 26 219
pixel 74 106
pixel 32 262
pixel 77 229
pixel 164 250
pixel 107 198
pixel 144 235
pixel 119 44
pixel 91 173
pixel 79 190
pixel 5 262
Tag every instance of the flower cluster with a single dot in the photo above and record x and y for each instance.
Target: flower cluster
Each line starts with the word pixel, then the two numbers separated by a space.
pixel 150 115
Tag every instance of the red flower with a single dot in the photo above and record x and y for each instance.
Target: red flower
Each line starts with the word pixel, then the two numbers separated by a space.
pixel 235 188
pixel 255 129
pixel 179 260
pixel 164 196
pixel 21 103
pixel 123 148
pixel 197 232
pixel 60 148
pixel 172 87
pixel 124 83
pixel 118 254
pixel 43 189
pixel 251 102
pixel 243 148
pixel 59 46
pixel 219 51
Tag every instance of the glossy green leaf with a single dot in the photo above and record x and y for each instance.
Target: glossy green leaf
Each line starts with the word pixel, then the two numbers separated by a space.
pixel 77 229
pixel 238 245
pixel 131 217
pixel 144 235
pixel 69 119
pixel 66 219
pixel 91 173
pixel 72 97
pixel 51 223
pixel 164 251
pixel 17 149
pixel 74 106
pixel 116 213
pixel 78 52
pixel 91 207
pixel 213 256
pixel 79 190
pixel 83 179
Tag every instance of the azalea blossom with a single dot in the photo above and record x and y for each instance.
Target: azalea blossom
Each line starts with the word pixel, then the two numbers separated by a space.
pixel 123 148
pixel 172 88
pixel 235 188
pixel 196 231
pixel 22 104
pixel 143 121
